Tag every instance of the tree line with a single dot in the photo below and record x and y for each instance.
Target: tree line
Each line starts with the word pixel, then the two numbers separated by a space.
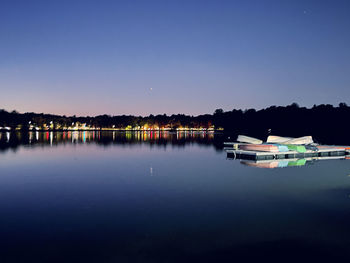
pixel 26 121
pixel 326 123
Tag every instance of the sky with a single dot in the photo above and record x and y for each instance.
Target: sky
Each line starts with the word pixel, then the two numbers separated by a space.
pixel 153 57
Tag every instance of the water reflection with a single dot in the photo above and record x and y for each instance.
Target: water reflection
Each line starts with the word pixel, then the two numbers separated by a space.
pixel 160 138
pixel 144 203
pixel 283 163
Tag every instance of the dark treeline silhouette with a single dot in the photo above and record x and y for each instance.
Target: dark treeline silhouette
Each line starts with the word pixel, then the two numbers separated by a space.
pixel 326 123
pixel 16 120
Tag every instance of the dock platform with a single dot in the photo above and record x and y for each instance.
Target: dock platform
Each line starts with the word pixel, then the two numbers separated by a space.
pixel 254 155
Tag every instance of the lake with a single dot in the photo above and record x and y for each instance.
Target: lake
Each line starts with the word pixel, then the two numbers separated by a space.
pixel 163 197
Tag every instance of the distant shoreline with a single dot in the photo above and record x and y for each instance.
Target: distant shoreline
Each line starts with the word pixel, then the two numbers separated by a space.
pixel 326 123
pixel 122 130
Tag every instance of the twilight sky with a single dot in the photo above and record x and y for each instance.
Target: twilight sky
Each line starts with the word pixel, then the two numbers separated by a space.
pixel 141 57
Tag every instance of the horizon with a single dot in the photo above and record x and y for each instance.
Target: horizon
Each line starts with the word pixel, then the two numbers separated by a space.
pixel 186 114
pixel 90 58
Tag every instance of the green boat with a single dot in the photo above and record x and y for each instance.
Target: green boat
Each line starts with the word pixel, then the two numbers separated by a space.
pixel 297 148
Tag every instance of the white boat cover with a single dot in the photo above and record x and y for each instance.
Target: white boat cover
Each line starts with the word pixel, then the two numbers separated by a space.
pixel 277 139
pixel 300 140
pixel 246 139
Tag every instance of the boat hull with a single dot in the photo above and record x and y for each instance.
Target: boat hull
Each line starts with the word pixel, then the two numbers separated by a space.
pixel 259 147
pixel 247 139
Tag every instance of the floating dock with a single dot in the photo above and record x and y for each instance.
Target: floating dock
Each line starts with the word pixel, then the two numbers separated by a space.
pixel 251 155
pixel 234 152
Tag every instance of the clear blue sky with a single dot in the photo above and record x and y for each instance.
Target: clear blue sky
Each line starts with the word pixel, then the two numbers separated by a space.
pixel 141 57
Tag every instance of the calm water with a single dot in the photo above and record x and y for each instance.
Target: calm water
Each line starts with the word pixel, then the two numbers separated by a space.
pixel 149 197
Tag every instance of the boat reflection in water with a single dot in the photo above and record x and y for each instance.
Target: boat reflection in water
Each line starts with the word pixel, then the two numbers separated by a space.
pixel 283 163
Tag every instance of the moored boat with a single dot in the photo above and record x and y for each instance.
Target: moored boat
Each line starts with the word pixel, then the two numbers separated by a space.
pixel 297 148
pixel 259 147
pixel 345 148
pixel 247 139
pixel 289 140
pixel 277 139
pixel 300 140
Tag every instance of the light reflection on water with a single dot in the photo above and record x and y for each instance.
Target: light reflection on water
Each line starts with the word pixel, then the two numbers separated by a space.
pixel 65 198
pixel 12 140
